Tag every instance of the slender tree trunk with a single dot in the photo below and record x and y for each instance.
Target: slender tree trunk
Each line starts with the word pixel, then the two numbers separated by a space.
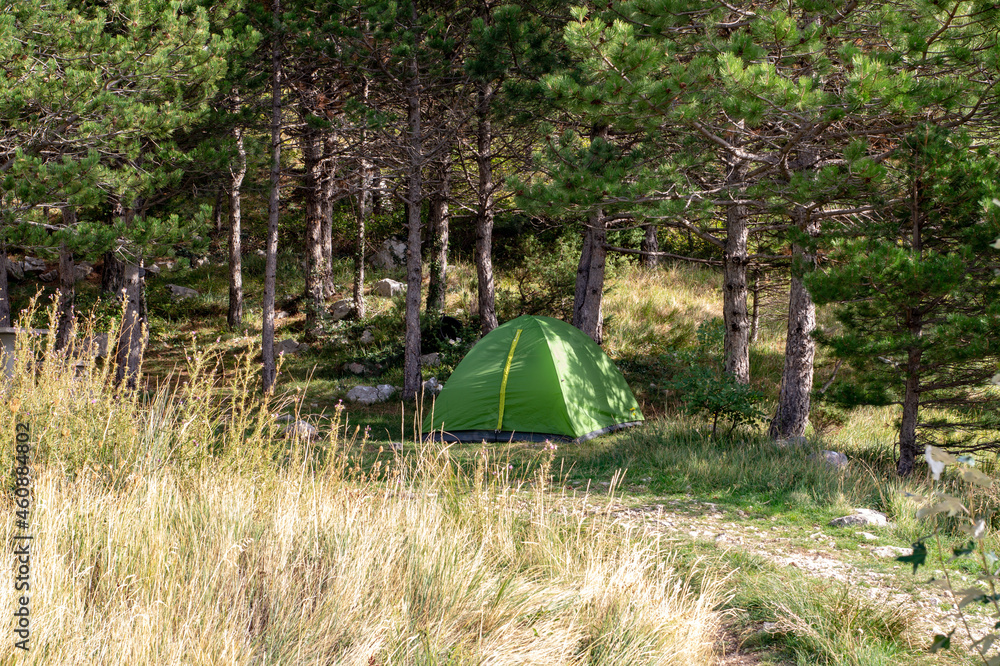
pixel 438 286
pixel 235 315
pixel 67 290
pixel 326 211
pixel 315 266
pixel 915 323
pixel 792 415
pixel 364 210
pixel 485 213
pixel 734 294
pixel 911 407
pixel 269 371
pixel 220 193
pixel 650 243
pixel 754 309
pixel 411 359
pixel 589 294
pixel 4 293
pixel 128 353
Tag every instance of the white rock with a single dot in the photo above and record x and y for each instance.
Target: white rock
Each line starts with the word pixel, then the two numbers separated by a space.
pixel 198 262
pixel 891 551
pixel 388 288
pixel 433 359
pixel 180 292
pixel 341 309
pixel 385 391
pixel 33 265
pixel 289 347
pixel 280 314
pixel 82 269
pixel 391 254
pixel 356 368
pixel 861 517
pixel 302 430
pixel 432 386
pixel 14 269
pixel 835 459
pixel 152 269
pixel 868 536
pixel 367 337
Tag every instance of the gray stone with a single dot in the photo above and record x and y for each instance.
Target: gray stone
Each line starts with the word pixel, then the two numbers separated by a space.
pixel 341 309
pixel 367 337
pixel 834 459
pixel 388 288
pixel 33 265
pixel 792 442
pixel 82 270
pixel 152 269
pixel 301 429
pixel 385 391
pixel 891 551
pixel 198 262
pixel 179 292
pixel 280 314
pixel 289 347
pixel 14 269
pixel 49 276
pixel 432 386
pixel 356 368
pixel 861 517
pixel 392 254
pixel 366 395
pixel 432 360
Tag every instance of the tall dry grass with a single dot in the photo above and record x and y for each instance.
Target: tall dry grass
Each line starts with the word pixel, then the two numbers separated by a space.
pixel 173 528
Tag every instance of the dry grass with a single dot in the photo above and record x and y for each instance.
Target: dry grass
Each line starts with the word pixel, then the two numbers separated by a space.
pixel 176 530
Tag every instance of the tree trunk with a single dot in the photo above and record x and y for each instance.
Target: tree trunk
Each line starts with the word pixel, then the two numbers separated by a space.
pixel 235 315
pixel 754 309
pixel 220 192
pixel 650 244
pixel 326 211
pixel 315 264
pixel 485 213
pixel 4 293
pixel 67 290
pixel 734 290
pixel 911 408
pixel 411 360
pixel 589 293
pixel 269 371
pixel 792 415
pixel 128 353
pixel 113 277
pixel 438 286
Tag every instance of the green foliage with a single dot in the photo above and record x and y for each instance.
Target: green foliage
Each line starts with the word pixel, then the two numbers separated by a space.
pixel 706 389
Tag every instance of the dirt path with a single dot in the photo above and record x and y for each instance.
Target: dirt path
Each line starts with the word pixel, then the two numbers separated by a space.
pixel 814 554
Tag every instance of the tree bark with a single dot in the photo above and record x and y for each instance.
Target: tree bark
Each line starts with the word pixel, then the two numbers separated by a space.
pixel 315 264
pixel 67 290
pixel 113 277
pixel 911 407
pixel 792 415
pixel 4 292
pixel 128 353
pixel 220 192
pixel 364 210
pixel 734 289
pixel 411 359
pixel 589 293
pixel 754 309
pixel 438 285
pixel 650 243
pixel 485 212
pixel 235 315
pixel 328 189
pixel 269 370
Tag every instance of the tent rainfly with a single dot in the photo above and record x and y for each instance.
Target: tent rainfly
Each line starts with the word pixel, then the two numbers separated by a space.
pixel 534 378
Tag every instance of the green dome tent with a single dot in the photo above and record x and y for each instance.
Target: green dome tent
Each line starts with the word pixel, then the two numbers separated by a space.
pixel 534 378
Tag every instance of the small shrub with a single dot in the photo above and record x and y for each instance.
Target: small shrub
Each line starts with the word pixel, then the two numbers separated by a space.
pixel 704 388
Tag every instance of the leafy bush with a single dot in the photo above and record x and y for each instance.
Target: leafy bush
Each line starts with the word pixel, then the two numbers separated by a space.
pixel 704 388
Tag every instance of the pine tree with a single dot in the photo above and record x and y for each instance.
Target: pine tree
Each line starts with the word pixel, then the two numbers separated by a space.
pixel 920 297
